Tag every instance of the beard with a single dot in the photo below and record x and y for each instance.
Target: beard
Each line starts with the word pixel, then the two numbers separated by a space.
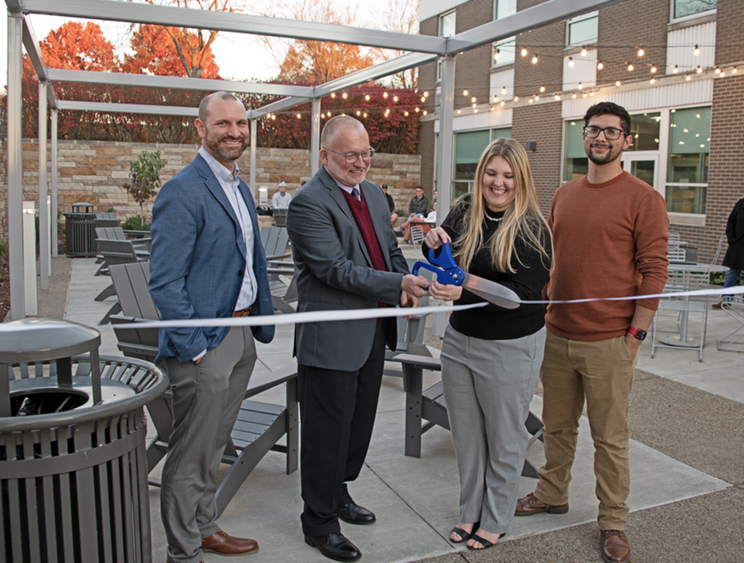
pixel 229 154
pixel 607 158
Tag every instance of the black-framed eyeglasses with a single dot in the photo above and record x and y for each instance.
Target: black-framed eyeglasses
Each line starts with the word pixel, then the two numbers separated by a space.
pixel 351 157
pixel 610 133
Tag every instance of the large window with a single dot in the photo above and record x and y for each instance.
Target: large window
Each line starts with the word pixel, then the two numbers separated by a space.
pixel 502 52
pixel 687 169
pixel 576 163
pixel 644 128
pixel 583 29
pixel 504 8
pixel 685 8
pixel 469 147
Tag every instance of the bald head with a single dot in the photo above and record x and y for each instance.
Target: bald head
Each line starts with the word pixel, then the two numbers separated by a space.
pixel 207 100
pixel 335 126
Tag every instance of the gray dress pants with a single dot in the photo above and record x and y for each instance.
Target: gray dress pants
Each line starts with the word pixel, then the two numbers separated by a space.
pixel 488 386
pixel 206 402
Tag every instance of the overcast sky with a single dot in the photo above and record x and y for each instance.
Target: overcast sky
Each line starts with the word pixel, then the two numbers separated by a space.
pixel 239 56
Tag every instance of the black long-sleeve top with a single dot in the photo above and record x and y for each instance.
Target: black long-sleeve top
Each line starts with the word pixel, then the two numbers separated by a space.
pixel 493 322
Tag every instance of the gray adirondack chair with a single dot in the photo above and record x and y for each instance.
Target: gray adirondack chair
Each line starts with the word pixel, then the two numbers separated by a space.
pixel 260 426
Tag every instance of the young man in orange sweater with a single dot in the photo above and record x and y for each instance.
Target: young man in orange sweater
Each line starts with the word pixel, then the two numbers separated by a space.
pixel 610 239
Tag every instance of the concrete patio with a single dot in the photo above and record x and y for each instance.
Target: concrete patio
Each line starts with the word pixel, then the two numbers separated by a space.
pixel 687 456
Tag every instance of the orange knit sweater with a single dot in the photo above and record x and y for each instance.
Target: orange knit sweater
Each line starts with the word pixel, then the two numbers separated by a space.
pixel 610 240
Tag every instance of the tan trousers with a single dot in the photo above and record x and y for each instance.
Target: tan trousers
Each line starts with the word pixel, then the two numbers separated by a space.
pixel 601 372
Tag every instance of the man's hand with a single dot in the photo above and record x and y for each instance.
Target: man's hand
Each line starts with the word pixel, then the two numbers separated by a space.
pixel 417 286
pixel 436 237
pixel 445 292
pixel 408 300
pixel 633 345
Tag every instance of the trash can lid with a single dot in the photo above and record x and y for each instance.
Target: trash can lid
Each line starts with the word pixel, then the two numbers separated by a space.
pixel 35 340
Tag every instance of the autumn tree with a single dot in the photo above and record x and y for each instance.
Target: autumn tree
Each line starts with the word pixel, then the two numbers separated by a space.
pixel 401 16
pixel 79 46
pixel 317 62
pixel 154 52
pixel 193 47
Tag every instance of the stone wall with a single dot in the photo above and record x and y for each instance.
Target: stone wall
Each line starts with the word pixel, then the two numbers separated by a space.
pixel 95 171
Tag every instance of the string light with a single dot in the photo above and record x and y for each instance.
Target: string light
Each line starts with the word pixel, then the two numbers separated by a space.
pixel 493 108
pixel 475 110
pixel 722 74
pixel 583 51
pixel 516 99
pixel 581 86
pixel 385 95
pixel 530 100
pixel 534 60
pixel 600 66
pixel 699 69
pixel 333 94
pixel 366 97
pixel 423 99
pixel 641 52
pixel 653 81
pixel 570 61
pixel 359 112
pixel 617 83
pixel 574 96
pixel 459 111
pixel 395 98
pixel 733 70
pixel 495 99
pixel 472 99
pixel 426 94
pixel 630 67
pixel 344 95
pixel 502 103
pixel 718 70
pixel 417 110
pixel 542 88
pixel 299 116
pixel 405 113
pixel 524 52
pixel 364 115
pixel 503 89
pixel 675 70
pixel 585 95
pixel 537 97
pixel 496 54
pixel 273 117
pixel 687 77
pixel 425 112
pixel 696 52
pixel 557 97
pixel 653 68
pixel 464 92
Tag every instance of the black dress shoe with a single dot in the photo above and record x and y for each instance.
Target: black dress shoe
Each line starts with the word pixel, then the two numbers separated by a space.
pixel 335 546
pixel 352 513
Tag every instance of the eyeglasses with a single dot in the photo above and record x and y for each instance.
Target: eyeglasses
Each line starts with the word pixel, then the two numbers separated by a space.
pixel 610 133
pixel 351 157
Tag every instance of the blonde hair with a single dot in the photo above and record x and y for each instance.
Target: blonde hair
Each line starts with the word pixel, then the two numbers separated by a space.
pixel 523 219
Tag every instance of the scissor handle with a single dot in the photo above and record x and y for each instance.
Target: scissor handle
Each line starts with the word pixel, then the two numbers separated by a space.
pixel 445 259
pixel 449 273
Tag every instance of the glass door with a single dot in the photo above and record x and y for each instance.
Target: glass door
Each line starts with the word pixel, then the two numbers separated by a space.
pixel 644 167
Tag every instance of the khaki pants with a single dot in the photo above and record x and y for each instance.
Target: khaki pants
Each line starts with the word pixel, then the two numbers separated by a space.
pixel 603 373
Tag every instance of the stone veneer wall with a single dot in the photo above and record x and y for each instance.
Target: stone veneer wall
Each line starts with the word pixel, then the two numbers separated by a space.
pixel 94 172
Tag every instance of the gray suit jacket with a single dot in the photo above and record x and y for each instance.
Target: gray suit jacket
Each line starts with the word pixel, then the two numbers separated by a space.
pixel 334 272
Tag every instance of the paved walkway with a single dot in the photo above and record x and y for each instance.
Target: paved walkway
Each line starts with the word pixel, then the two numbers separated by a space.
pixel 687 456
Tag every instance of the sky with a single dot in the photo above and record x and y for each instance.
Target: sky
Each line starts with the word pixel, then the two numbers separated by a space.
pixel 239 56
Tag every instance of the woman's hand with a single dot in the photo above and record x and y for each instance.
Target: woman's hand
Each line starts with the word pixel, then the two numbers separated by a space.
pixel 436 238
pixel 445 292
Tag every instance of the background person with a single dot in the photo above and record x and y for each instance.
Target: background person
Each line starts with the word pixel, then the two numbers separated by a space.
pixel 391 204
pixel 734 257
pixel 281 199
pixel 346 257
pixel 610 237
pixel 491 356
pixel 207 261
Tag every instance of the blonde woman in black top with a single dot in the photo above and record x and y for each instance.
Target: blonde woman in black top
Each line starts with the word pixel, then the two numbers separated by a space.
pixel 491 356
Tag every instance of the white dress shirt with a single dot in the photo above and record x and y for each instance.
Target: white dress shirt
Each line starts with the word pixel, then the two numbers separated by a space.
pixel 280 201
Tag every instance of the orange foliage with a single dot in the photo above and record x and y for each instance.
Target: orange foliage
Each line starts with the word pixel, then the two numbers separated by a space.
pixel 78 47
pixel 155 52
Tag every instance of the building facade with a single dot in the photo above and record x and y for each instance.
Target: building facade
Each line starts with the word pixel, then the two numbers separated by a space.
pixel 671 63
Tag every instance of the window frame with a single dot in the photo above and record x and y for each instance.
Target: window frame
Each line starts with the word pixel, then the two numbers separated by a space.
pixel 579 19
pixel 673 19
pixel 501 44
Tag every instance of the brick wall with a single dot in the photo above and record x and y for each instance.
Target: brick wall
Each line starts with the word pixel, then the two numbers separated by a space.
pixel 473 67
pixel 94 172
pixel 548 72
pixel 633 24
pixel 542 124
pixel 729 43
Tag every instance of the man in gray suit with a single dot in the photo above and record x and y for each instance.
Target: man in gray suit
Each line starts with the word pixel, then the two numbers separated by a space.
pixel 346 257
pixel 206 262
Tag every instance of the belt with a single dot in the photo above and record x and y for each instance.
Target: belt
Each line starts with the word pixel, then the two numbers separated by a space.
pixel 243 312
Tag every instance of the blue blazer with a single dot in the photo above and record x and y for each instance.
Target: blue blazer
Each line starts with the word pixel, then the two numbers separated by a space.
pixel 198 259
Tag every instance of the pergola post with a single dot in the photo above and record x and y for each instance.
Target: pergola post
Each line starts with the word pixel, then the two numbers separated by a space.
pixel 446 117
pixel 44 265
pixel 315 137
pixel 53 210
pixel 254 127
pixel 15 168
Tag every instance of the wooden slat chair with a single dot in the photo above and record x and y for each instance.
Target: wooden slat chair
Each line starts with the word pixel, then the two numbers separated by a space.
pixel 141 245
pixel 427 408
pixel 280 217
pixel 114 252
pixel 260 426
pixel 105 219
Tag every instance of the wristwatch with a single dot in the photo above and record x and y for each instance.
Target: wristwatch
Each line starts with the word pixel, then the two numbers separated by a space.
pixel 638 333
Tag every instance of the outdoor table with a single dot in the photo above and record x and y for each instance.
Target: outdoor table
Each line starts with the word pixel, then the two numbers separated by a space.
pixel 682 339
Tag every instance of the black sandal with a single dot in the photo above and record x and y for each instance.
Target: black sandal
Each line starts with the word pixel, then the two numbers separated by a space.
pixel 464 536
pixel 485 543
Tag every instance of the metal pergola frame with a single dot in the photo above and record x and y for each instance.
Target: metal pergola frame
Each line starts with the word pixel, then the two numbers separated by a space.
pixel 423 49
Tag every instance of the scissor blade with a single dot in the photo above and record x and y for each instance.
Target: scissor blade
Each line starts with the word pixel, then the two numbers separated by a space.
pixel 491 291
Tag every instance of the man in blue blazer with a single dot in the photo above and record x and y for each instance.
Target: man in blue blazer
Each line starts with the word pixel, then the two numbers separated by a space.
pixel 206 262
pixel 346 257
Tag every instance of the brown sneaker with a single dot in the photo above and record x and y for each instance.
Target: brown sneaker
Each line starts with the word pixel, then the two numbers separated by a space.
pixel 530 505
pixel 223 544
pixel 615 547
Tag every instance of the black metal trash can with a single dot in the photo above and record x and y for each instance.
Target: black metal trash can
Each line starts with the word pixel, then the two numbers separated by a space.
pixel 73 483
pixel 80 225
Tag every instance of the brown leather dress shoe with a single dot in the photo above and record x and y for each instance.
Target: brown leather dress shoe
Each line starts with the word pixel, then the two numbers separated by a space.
pixel 615 547
pixel 223 544
pixel 529 505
